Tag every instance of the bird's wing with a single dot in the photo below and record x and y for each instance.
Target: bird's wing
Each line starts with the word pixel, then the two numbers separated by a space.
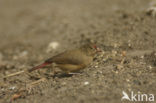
pixel 68 57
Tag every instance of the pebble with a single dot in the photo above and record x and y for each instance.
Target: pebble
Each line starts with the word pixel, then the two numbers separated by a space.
pixel 23 54
pixel 142 57
pixel 12 88
pixel 114 53
pixel 96 66
pixel 52 46
pixel 2 89
pixel 150 67
pixel 127 80
pixel 86 83
pixel 151 11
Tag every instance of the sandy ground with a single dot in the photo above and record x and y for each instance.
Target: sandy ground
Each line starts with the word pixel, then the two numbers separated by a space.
pixel 121 28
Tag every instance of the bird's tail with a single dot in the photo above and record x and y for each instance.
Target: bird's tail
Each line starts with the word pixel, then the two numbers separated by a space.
pixel 38 67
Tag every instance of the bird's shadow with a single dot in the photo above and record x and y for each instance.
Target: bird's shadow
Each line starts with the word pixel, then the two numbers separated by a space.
pixel 63 75
pixel 59 75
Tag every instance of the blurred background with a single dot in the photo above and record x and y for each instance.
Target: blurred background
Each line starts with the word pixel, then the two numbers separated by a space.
pixel 33 30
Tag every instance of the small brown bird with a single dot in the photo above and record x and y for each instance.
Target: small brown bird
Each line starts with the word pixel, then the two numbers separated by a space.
pixel 72 60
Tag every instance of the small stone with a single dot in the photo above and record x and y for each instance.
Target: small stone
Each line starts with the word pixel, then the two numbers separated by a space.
pixel 23 54
pixel 52 45
pixel 96 66
pixel 86 83
pixel 2 89
pixel 150 67
pixel 116 72
pixel 151 11
pixel 114 53
pixel 129 45
pixel 142 57
pixel 127 80
pixel 12 88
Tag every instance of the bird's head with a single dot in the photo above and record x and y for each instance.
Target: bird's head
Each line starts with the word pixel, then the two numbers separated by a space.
pixel 91 49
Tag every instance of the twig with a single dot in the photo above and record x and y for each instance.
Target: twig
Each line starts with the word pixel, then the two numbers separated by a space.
pixel 13 74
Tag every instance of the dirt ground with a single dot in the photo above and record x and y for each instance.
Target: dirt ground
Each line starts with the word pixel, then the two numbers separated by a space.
pixel 121 28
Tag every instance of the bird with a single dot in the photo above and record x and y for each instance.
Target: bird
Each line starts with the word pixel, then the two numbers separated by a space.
pixel 72 60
